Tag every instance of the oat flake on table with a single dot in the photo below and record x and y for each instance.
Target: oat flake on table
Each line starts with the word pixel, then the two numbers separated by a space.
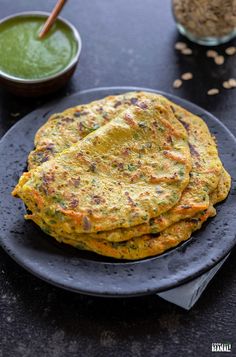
pixel 177 83
pixel 213 91
pixel 180 45
pixel 187 76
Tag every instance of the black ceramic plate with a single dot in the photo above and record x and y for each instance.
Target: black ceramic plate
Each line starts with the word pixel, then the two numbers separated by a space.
pixel 89 273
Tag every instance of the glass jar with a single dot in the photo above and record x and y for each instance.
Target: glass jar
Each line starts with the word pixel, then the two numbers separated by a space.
pixel 206 22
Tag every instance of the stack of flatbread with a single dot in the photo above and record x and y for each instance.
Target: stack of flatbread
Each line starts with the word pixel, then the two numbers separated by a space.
pixel 128 176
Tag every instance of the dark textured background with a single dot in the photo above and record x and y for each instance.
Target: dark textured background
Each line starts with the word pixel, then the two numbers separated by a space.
pixel 125 42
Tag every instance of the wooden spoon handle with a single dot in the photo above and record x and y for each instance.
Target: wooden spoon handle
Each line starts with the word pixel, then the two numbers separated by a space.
pixel 52 18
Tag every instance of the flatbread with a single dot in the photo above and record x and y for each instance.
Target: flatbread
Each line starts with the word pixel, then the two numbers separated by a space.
pixel 204 178
pixel 205 173
pixel 65 129
pixel 209 182
pixel 128 171
pixel 150 245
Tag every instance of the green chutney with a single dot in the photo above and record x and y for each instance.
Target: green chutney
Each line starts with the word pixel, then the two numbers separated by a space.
pixel 24 55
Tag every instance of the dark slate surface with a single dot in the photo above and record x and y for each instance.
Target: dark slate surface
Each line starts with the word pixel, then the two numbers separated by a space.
pixel 125 42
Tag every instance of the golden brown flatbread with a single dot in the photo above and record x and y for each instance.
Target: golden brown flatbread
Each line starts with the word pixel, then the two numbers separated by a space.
pixel 150 245
pixel 128 171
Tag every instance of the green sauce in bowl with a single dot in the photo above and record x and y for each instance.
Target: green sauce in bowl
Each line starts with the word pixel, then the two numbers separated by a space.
pixel 25 56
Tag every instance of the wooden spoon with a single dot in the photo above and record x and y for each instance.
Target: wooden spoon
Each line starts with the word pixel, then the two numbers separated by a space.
pixel 52 18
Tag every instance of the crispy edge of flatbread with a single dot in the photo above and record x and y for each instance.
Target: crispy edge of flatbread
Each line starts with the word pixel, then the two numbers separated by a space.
pixel 148 245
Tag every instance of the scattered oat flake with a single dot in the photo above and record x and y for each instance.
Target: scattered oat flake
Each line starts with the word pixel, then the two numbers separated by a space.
pixel 219 60
pixel 177 83
pixel 180 45
pixel 213 91
pixel 187 76
pixel 211 54
pixel 230 51
pixel 15 114
pixel 226 85
pixel 232 82
pixel 186 51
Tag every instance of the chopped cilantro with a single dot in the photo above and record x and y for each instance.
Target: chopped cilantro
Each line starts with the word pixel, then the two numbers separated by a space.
pixel 181 172
pixel 131 167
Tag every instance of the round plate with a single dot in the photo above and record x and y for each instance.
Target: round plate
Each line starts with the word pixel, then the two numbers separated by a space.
pixel 89 273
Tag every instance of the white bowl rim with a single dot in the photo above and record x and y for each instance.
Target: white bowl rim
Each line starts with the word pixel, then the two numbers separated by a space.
pixel 73 61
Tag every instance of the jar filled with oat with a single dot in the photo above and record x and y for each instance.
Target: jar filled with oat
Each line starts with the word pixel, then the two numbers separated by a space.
pixel 207 22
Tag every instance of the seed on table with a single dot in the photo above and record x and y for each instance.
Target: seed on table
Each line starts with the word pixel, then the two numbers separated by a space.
pixel 186 51
pixel 187 76
pixel 211 54
pixel 213 91
pixel 230 51
pixel 232 82
pixel 15 115
pixel 226 85
pixel 219 60
pixel 177 83
pixel 180 45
